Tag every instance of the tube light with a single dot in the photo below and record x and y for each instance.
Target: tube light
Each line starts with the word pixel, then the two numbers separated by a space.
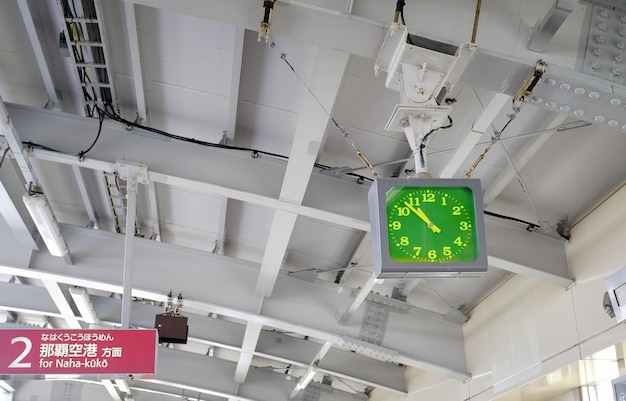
pixel 46 223
pixel 83 303
pixel 6 387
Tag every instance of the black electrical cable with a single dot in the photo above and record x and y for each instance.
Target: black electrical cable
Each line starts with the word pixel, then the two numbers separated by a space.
pixel 82 153
pixel 4 154
pixel 531 226
pixel 425 138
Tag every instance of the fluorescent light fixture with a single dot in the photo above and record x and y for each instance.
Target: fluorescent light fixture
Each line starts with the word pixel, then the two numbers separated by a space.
pixel 6 387
pixel 83 303
pixel 46 223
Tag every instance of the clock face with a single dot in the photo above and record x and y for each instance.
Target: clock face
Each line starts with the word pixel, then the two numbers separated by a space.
pixel 431 224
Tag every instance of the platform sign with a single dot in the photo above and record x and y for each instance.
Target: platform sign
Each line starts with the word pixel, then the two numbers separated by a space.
pixel 83 352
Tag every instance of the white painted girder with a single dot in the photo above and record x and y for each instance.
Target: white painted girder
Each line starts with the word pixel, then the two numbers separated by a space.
pixel 213 376
pixel 58 297
pixel 325 82
pixel 256 181
pixel 136 60
pixel 522 157
pixel 272 345
pixel 12 209
pixel 490 112
pixel 37 43
pixel 316 25
pixel 296 306
pixel 250 338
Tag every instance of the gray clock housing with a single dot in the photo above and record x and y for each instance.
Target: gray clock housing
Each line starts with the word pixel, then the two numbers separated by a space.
pixel 385 267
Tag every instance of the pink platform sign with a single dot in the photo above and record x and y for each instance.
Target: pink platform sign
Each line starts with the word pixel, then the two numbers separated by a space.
pixel 83 352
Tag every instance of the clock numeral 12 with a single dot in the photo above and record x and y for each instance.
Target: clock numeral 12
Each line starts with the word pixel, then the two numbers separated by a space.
pixel 428 197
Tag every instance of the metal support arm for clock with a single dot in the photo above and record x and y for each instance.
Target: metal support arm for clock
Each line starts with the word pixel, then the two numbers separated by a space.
pixel 424 226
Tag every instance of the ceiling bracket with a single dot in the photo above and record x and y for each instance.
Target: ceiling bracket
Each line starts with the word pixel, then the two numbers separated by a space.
pixel 374 323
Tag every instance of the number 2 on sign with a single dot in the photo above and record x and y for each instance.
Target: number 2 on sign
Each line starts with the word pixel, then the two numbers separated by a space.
pixel 28 345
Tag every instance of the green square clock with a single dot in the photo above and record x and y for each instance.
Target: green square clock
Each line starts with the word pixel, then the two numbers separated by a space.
pixel 427 227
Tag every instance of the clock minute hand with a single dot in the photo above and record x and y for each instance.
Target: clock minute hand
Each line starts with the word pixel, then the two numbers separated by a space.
pixel 420 213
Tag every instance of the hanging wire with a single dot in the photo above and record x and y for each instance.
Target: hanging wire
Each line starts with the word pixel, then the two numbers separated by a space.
pixel 344 132
pixel 494 138
pixel 521 182
pixel 4 154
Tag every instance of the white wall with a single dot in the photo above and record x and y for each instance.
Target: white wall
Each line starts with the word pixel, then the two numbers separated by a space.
pixel 527 328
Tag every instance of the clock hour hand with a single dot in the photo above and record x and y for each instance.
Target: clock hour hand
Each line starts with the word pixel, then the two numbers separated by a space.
pixel 420 213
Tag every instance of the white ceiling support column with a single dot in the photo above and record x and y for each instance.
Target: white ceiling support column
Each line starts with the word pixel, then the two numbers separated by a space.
pixel 250 339
pixel 550 24
pixel 94 221
pixel 131 175
pixel 62 304
pixel 135 47
pixel 325 83
pixel 36 43
pixel 523 156
pixel 481 125
pixel 360 297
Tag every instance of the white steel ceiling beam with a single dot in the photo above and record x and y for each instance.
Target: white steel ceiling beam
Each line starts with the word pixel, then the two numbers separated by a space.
pixel 58 297
pixel 136 61
pixel 360 297
pixel 250 338
pixel 94 220
pixel 229 133
pixel 508 249
pixel 258 180
pixel 112 390
pixel 333 35
pixel 154 211
pixel 224 334
pixel 235 82
pixel 11 207
pixel 325 83
pixel 355 259
pixel 7 129
pixel 315 314
pixel 547 27
pixel 36 42
pixel 262 385
pixel 523 156
pixel 481 125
